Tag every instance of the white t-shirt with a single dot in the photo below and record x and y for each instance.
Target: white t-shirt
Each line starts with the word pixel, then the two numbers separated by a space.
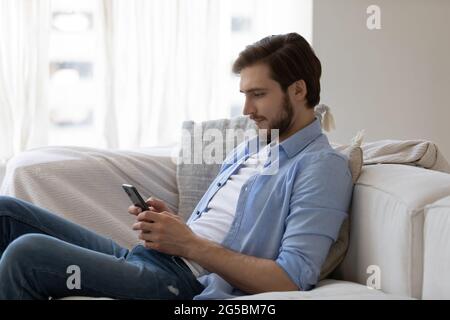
pixel 215 223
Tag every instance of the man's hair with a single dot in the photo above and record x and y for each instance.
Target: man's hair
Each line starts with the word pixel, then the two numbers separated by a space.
pixel 290 59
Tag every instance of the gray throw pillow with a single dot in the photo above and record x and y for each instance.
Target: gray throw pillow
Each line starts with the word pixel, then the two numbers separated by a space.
pixel 194 178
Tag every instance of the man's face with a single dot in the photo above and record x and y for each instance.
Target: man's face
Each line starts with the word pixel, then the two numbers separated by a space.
pixel 265 101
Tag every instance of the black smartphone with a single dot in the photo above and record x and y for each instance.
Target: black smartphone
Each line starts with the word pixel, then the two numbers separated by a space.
pixel 135 197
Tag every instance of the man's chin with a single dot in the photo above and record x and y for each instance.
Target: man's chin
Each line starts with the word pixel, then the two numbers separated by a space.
pixel 261 124
pixel 263 129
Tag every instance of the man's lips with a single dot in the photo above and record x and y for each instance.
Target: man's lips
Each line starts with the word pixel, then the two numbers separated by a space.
pixel 257 120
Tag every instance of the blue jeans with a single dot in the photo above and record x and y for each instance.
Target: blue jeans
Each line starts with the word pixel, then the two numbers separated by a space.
pixel 38 250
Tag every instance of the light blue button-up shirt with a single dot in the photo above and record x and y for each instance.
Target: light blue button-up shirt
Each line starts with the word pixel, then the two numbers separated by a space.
pixel 292 217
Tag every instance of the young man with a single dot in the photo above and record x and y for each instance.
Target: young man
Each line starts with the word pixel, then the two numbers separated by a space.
pixel 250 233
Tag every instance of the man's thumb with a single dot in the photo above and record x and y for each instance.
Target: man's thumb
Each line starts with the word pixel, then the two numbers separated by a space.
pixel 155 202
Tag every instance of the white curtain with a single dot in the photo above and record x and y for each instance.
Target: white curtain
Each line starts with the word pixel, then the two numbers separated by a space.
pixel 166 61
pixel 163 62
pixel 282 16
pixel 24 29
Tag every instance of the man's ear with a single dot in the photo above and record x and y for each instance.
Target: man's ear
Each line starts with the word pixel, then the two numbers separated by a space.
pixel 301 89
pixel 298 90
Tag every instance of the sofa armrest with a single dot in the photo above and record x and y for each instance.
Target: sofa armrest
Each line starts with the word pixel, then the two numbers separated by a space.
pixel 386 226
pixel 84 184
pixel 436 278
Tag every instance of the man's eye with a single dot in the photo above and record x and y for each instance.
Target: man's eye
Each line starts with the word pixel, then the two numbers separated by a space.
pixel 259 94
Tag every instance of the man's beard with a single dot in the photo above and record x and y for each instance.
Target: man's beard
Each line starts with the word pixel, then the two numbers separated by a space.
pixel 284 120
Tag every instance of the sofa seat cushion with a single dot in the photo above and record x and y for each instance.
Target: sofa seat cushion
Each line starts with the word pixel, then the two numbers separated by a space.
pixel 328 290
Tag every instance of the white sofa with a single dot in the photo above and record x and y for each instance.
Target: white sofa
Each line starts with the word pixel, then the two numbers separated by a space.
pixel 399 220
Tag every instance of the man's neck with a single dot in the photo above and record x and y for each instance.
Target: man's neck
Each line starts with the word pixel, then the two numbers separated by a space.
pixel 299 125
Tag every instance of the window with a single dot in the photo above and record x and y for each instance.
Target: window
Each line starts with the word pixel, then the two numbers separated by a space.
pixel 72 71
pixel 251 20
pixel 74 99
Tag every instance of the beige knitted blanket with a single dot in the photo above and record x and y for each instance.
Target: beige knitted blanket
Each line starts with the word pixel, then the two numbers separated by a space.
pixel 420 153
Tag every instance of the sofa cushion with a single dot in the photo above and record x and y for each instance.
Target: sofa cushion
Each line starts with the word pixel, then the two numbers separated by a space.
pixel 194 174
pixel 354 154
pixel 328 290
pixel 325 290
pixel 436 276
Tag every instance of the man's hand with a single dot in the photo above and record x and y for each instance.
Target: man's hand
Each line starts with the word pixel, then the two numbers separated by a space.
pixel 154 204
pixel 165 232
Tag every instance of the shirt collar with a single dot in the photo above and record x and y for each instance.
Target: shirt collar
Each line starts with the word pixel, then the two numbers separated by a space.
pixel 299 140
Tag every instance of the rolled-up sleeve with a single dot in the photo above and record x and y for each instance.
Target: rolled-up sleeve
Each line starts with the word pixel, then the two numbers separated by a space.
pixel 318 205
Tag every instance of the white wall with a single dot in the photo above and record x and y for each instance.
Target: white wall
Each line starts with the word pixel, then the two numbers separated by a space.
pixel 393 82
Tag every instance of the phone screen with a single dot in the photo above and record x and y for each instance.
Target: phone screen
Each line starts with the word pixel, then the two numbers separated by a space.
pixel 135 197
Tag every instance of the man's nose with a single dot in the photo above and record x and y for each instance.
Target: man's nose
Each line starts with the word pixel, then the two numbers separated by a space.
pixel 249 108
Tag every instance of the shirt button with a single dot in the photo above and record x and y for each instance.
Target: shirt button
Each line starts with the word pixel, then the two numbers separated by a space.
pixel 198 212
pixel 219 184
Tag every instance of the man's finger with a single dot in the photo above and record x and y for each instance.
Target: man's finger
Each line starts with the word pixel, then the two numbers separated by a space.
pixel 147 237
pixel 143 226
pixel 153 199
pixel 149 216
pixel 134 210
pixel 156 203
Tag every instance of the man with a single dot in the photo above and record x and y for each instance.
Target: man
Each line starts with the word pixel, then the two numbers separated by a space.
pixel 250 233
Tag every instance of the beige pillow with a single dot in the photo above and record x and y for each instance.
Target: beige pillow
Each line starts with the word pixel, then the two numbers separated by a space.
pixel 339 248
pixel 354 154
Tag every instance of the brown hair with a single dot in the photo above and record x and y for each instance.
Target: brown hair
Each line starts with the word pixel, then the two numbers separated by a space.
pixel 290 58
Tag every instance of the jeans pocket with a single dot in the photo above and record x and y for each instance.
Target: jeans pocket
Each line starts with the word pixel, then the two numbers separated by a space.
pixel 180 263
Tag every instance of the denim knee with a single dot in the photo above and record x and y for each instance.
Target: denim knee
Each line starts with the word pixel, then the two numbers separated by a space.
pixel 7 203
pixel 17 264
pixel 24 249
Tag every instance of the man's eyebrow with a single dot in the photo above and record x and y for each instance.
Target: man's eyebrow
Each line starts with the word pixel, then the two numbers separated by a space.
pixel 253 89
